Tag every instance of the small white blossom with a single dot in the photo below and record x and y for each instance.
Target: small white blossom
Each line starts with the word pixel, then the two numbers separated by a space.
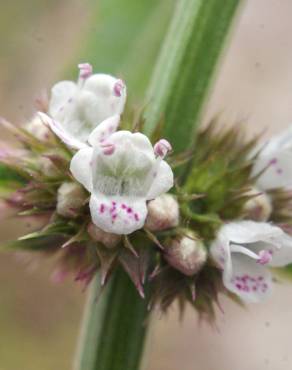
pixel 274 161
pixel 121 174
pixel 244 250
pixel 76 110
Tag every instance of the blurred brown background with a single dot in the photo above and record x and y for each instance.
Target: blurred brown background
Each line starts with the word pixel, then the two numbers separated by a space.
pixel 39 320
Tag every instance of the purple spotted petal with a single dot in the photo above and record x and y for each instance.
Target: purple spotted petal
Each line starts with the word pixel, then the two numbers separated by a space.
pixel 118 215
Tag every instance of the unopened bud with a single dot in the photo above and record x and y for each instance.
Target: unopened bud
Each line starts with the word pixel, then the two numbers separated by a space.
pixel 258 207
pixel 109 240
pixel 48 168
pixel 71 198
pixel 163 213
pixel 186 254
pixel 38 129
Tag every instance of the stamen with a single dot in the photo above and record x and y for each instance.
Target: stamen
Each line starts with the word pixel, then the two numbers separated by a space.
pixel 265 257
pixel 162 147
pixel 85 70
pixel 243 250
pixel 118 88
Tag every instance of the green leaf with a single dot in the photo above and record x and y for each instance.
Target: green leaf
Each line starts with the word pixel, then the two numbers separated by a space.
pixel 10 179
pixel 186 67
pixel 7 174
pixel 37 244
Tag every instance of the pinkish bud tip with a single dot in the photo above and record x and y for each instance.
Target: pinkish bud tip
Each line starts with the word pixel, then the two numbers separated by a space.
pixel 162 147
pixel 85 70
pixel 118 88
pixel 107 148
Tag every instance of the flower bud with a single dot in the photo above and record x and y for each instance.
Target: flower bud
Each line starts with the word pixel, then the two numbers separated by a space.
pixel 47 167
pixel 163 213
pixel 38 129
pixel 71 197
pixel 109 240
pixel 186 254
pixel 259 207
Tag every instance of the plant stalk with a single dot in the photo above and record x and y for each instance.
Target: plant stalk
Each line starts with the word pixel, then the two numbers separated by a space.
pixel 186 66
pixel 114 326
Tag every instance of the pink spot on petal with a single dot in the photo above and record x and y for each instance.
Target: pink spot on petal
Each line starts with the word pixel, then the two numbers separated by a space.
pixel 273 161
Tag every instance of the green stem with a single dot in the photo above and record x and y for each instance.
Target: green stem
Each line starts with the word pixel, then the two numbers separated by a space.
pixel 186 66
pixel 114 327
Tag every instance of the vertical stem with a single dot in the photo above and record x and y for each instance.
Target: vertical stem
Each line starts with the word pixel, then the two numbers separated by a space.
pixel 114 327
pixel 186 66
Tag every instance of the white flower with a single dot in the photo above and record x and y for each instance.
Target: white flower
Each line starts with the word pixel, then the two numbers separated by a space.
pixel 77 109
pixel 121 174
pixel 275 161
pixel 244 250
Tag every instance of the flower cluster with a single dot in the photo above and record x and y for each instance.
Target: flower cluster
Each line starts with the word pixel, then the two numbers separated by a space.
pixel 106 198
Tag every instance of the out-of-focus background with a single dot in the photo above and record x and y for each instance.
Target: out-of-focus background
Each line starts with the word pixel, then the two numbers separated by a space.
pixel 40 41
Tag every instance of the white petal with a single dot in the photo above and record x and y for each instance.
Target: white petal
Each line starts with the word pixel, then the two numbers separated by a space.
pixel 277 170
pixel 61 93
pixel 220 251
pixel 282 255
pixel 162 180
pixel 118 215
pixel 140 142
pixel 57 128
pixel 278 143
pixel 100 98
pixel 247 232
pixel 104 130
pixel 81 168
pixel 125 169
pixel 249 280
